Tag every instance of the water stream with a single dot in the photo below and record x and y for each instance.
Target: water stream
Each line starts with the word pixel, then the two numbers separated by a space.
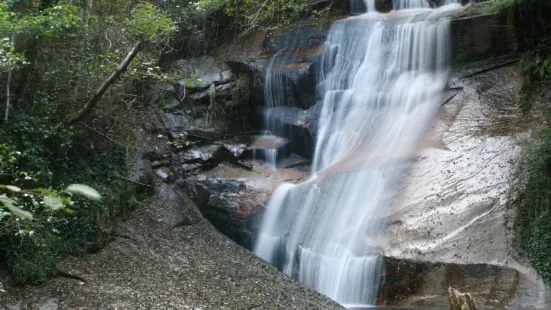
pixel 382 77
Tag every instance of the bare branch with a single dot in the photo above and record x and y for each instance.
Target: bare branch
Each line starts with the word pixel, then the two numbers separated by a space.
pixel 99 93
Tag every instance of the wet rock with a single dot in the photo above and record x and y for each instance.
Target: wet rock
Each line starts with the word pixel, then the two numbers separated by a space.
pixel 184 170
pixel 303 77
pixel 160 163
pixel 223 90
pixel 291 124
pixel 293 161
pixel 255 71
pixel 265 142
pixel 237 146
pixel 301 39
pixel 460 301
pixel 205 154
pixel 175 122
pixel 425 284
pixel 482 36
pixel 226 76
pixel 200 73
pixel 165 174
pixel 231 205
pixel 202 97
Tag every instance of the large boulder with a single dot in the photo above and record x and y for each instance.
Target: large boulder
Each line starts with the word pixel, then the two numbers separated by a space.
pixel 233 198
pixel 201 72
pixel 231 205
pixel 411 283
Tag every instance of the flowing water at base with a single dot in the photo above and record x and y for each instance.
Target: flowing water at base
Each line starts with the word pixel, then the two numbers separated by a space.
pixel 382 81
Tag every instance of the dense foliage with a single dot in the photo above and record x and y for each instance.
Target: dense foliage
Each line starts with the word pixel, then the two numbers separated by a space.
pixel 54 55
pixel 57 56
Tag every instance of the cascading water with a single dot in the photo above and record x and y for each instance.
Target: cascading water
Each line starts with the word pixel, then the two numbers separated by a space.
pixel 382 81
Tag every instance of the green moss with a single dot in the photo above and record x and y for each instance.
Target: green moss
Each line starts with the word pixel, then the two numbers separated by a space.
pixel 462 61
pixel 488 7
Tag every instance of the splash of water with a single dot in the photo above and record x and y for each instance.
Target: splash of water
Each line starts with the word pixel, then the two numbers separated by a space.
pixel 382 82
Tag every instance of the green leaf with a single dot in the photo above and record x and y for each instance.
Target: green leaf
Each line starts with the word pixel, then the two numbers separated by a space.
pixel 12 188
pixel 84 190
pixel 53 203
pixel 20 213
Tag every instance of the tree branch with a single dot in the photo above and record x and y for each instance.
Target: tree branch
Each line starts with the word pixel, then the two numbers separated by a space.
pixel 7 101
pixel 99 93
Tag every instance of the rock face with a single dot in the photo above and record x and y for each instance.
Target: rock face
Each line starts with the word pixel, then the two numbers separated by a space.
pixel 231 205
pixel 481 36
pixel 412 283
pixel 233 199
pixel 453 207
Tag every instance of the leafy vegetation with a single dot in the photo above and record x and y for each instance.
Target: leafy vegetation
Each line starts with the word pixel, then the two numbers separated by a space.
pixel 532 187
pixel 531 22
pixel 30 218
pixel 54 56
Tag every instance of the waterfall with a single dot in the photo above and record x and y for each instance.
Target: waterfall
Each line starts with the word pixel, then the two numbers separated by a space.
pixel 410 4
pixel 382 81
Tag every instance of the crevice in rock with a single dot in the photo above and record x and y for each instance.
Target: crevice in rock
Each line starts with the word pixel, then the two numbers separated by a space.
pixel 68 275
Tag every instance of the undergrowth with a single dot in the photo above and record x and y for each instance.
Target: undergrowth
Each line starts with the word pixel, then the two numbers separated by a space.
pixel 532 191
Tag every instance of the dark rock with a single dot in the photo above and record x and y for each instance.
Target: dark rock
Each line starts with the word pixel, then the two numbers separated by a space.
pixel 231 205
pixel 165 87
pixel 160 163
pixel 235 147
pixel 290 123
pixel 172 208
pixel 205 154
pixel 482 36
pixel 185 170
pixel 223 91
pixel 425 284
pixel 202 97
pixel 300 38
pixel 256 72
pixel 199 73
pixel 293 161
pixel 175 122
pixel 172 104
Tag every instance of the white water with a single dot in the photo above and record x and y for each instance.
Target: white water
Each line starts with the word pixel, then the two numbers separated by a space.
pixel 382 83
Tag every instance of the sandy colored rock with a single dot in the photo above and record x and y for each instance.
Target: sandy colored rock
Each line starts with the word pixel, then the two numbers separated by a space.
pixel 461 301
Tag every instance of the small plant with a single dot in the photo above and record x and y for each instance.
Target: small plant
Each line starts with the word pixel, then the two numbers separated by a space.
pixel 531 190
pixel 30 217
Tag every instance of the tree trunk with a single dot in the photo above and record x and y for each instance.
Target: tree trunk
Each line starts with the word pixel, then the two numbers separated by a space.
pixel 8 85
pixel 7 101
pixel 99 93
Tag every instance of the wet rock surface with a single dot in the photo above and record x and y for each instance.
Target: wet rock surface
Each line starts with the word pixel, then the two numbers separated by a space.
pixel 425 284
pixel 454 204
pixel 233 198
